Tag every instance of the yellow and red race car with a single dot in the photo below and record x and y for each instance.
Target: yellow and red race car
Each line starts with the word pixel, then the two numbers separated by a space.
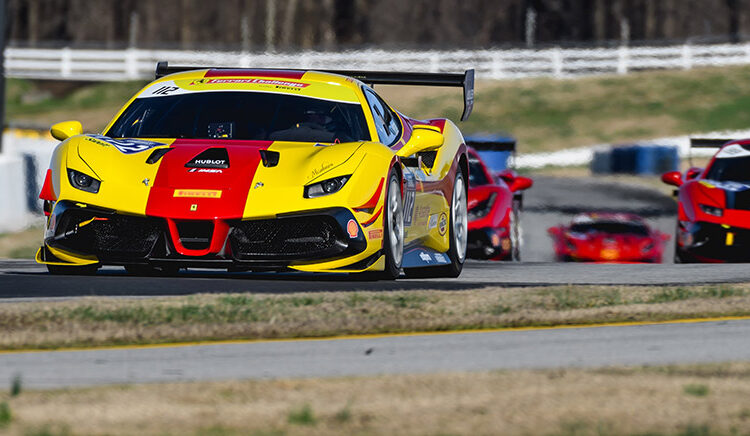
pixel 252 169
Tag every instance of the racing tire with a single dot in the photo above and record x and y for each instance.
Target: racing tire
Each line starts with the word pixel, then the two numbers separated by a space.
pixel 84 270
pixel 458 236
pixel 393 229
pixel 515 230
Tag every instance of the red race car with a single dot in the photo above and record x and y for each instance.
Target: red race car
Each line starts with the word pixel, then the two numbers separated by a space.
pixel 495 200
pixel 608 237
pixel 713 217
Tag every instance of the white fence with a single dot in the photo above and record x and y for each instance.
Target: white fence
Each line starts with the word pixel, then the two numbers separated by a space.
pixel 76 64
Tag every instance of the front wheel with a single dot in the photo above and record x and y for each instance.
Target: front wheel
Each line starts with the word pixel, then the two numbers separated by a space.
pixel 393 228
pixel 515 230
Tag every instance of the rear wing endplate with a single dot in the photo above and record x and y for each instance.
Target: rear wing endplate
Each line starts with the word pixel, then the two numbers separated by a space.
pixel 464 80
pixel 708 142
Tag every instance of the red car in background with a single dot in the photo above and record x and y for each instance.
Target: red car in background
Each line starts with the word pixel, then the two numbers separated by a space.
pixel 608 237
pixel 713 217
pixel 495 201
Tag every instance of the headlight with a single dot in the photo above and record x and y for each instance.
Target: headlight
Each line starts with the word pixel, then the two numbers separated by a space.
pixel 83 181
pixel 482 208
pixel 325 187
pixel 711 210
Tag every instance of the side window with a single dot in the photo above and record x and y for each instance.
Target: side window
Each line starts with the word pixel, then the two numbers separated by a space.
pixel 386 121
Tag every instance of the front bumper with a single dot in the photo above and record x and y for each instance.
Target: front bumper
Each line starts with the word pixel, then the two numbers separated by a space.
pixel 302 240
pixel 710 242
pixel 489 243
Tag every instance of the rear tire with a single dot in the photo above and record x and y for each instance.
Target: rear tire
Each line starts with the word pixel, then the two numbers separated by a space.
pixel 73 270
pixel 515 230
pixel 458 236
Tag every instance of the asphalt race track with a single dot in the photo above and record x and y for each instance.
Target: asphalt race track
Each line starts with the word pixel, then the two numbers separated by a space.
pixel 545 348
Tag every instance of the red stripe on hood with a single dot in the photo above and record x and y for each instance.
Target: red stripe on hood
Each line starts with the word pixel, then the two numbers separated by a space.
pixel 233 182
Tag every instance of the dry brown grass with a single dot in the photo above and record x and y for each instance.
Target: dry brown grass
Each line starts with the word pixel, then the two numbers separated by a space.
pixel 21 244
pixel 690 400
pixel 107 321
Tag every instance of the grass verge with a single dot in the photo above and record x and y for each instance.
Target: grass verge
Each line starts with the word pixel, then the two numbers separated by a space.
pixel 110 321
pixel 673 400
pixel 23 244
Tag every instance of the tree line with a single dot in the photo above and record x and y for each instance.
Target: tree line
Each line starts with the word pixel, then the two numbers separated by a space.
pixel 342 24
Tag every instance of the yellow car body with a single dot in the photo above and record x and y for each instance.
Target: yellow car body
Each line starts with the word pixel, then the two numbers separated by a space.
pixel 193 172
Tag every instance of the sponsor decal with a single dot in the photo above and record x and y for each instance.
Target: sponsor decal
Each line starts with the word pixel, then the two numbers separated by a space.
pixel 206 170
pixel 325 166
pixel 734 150
pixel 197 193
pixel 440 258
pixel 425 257
pixel 126 146
pixel 258 185
pixel 193 207
pixel 273 82
pixel 352 229
pixel 433 221
pixel 727 186
pixel 443 223
pixel 375 234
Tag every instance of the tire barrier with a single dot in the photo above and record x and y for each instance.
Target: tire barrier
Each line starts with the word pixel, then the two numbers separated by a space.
pixel 635 159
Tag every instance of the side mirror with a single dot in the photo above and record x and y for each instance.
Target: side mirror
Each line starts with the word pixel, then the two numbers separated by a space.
pixel 520 183
pixel 673 178
pixel 507 176
pixel 423 138
pixel 554 231
pixel 692 173
pixel 66 129
pixel 665 237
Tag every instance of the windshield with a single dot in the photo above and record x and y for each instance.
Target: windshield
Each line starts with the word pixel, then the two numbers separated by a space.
pixel 242 115
pixel 477 176
pixel 735 169
pixel 610 227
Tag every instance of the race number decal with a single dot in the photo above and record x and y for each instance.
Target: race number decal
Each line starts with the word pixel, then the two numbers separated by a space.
pixel 410 194
pixel 126 146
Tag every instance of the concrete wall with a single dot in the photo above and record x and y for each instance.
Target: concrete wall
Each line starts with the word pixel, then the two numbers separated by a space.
pixel 23 165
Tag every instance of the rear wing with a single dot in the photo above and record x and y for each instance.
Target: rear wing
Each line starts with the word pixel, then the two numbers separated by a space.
pixel 464 80
pixel 708 142
pixel 503 144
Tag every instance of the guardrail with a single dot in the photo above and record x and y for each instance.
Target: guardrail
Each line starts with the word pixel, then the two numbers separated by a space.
pixel 129 64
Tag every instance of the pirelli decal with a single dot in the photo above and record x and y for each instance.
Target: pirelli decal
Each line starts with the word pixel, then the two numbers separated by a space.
pixel 197 193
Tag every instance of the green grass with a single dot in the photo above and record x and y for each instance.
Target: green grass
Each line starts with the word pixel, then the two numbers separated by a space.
pixel 696 390
pixel 302 416
pixel 5 416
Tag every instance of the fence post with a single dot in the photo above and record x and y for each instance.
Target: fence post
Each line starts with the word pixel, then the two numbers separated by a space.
pixel 687 57
pixel 496 65
pixel 623 56
pixel 434 62
pixel 65 62
pixel 131 63
pixel 557 62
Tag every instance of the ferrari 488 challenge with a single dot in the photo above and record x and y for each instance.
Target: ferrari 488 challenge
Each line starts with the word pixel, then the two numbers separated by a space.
pixel 713 217
pixel 252 169
pixel 608 237
pixel 495 202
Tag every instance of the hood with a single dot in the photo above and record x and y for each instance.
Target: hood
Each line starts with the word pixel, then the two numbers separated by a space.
pixel 203 179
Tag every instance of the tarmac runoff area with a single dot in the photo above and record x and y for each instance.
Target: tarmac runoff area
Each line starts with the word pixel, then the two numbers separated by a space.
pixel 643 344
